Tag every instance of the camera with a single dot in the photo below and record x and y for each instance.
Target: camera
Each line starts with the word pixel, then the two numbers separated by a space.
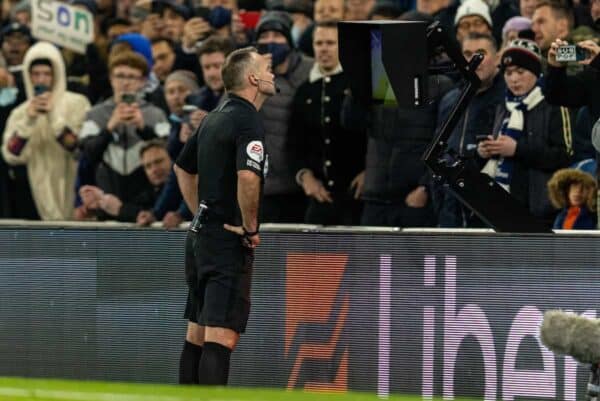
pixel 571 53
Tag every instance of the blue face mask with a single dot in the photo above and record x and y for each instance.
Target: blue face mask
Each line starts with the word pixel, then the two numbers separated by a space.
pixel 219 17
pixel 279 51
pixel 8 96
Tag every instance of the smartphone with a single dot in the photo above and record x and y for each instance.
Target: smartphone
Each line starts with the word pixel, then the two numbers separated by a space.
pixel 483 137
pixel 250 19
pixel 128 98
pixel 39 89
pixel 568 53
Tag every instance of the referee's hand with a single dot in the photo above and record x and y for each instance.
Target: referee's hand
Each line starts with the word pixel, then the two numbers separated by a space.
pixel 248 241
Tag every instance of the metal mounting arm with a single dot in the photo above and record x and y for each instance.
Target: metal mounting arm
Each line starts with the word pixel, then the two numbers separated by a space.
pixel 476 190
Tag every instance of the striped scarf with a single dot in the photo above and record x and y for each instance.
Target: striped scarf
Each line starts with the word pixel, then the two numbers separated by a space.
pixel 513 126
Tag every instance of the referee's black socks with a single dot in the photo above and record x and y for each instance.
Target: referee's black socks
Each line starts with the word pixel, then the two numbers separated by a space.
pixel 214 364
pixel 189 363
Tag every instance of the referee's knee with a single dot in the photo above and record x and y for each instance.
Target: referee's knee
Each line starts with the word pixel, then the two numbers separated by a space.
pixel 195 334
pixel 220 335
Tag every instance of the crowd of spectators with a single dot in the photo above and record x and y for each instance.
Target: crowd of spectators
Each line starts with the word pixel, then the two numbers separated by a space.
pixel 93 136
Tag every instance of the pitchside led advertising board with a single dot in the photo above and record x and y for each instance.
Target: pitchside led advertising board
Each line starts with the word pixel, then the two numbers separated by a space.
pixel 435 314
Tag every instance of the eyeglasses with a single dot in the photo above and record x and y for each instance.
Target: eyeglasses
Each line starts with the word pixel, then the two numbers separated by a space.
pixel 123 77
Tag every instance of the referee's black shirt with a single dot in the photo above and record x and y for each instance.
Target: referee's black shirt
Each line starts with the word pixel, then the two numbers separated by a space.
pixel 230 139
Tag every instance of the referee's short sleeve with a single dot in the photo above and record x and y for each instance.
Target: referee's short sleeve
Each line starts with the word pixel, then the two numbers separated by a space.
pixel 188 158
pixel 251 153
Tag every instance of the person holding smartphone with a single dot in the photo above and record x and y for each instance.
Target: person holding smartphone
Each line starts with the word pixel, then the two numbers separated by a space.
pixel 115 130
pixel 42 133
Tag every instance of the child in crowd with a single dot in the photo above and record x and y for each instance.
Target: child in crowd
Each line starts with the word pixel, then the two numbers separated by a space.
pixel 574 192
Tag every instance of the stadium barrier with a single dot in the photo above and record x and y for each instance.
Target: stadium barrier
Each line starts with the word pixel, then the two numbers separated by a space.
pixel 387 311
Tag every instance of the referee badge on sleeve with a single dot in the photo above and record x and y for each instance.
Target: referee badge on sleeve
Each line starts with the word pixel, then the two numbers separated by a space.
pixel 256 151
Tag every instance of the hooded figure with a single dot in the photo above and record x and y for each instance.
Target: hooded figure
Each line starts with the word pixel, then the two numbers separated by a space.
pixel 574 192
pixel 46 141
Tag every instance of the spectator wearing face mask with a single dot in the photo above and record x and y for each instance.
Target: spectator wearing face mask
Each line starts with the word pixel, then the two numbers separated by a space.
pixel 283 200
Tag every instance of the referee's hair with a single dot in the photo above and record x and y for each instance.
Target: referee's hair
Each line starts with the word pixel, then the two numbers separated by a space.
pixel 235 67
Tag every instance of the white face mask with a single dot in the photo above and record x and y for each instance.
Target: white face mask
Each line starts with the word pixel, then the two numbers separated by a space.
pixel 8 96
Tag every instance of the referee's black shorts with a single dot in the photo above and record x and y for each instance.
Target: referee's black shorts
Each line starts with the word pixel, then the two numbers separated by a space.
pixel 218 271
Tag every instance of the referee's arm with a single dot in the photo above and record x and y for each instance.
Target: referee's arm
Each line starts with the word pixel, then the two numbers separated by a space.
pixel 248 193
pixel 188 184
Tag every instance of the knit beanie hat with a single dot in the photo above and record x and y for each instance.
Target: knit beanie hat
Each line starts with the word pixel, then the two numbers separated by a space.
pixel 278 21
pixel 473 7
pixel 523 53
pixel 517 23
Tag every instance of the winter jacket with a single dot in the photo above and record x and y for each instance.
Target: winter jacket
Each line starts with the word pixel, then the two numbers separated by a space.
pixel 276 112
pixel 116 155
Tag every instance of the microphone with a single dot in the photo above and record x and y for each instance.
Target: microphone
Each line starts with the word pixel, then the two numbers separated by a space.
pixel 570 334
pixel 272 83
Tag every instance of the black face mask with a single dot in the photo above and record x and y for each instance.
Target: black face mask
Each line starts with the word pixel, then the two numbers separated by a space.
pixel 279 51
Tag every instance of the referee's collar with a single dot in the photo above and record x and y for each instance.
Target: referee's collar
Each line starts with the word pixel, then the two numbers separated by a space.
pixel 233 96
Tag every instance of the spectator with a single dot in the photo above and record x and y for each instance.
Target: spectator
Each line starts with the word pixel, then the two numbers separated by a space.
pixel 148 19
pixel 21 12
pixel 472 16
pixel 301 12
pixel 330 159
pixel 511 29
pixel 113 28
pixel 157 165
pixel 211 56
pixel 114 130
pixel 283 200
pixel 174 16
pixel 329 10
pixel 163 54
pixel 574 192
pixel 550 20
pixel 386 10
pixel 527 8
pixel 581 89
pixel 324 10
pixel 477 119
pixel 16 40
pixel 16 200
pixel 532 139
pixel 42 132
pixel 358 10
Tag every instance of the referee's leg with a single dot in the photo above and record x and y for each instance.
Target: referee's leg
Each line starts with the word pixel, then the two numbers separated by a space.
pixel 219 342
pixel 189 362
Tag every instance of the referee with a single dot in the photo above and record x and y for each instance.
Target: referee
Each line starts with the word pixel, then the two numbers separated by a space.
pixel 220 172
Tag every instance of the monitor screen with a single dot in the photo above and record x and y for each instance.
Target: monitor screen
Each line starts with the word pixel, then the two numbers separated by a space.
pixel 381 88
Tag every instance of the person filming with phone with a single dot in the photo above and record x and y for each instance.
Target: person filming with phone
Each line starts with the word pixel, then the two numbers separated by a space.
pixel 582 89
pixel 115 130
pixel 41 133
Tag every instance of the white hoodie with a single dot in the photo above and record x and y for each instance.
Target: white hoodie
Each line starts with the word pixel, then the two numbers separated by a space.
pixel 51 166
